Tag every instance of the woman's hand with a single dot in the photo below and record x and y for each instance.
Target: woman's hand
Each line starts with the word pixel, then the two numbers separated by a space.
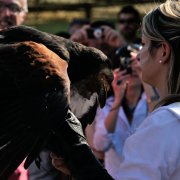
pixel 119 85
pixel 59 164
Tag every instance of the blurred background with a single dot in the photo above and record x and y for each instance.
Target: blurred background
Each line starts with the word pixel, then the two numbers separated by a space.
pixel 54 15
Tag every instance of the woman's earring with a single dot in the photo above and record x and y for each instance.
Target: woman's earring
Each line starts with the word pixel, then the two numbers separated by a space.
pixel 160 61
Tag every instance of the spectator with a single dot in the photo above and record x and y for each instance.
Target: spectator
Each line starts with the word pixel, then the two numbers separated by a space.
pixel 128 23
pixel 76 24
pixel 108 39
pixel 123 113
pixel 113 127
pixel 12 12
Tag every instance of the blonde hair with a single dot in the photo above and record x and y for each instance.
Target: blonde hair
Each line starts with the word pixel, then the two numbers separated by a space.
pixel 163 24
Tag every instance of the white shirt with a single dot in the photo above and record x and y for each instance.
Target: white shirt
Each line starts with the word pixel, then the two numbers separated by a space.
pixel 153 151
pixel 112 143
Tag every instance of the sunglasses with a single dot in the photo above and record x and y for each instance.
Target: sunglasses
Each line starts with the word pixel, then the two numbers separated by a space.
pixel 127 21
pixel 12 7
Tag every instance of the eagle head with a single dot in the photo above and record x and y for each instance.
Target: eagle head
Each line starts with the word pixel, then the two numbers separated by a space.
pixel 91 76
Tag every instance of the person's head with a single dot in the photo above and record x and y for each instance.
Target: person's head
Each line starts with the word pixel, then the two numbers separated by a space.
pixel 99 23
pixel 76 24
pixel 98 42
pixel 12 12
pixel 128 21
pixel 160 57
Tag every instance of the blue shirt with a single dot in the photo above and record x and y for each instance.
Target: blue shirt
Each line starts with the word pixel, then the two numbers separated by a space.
pixel 112 143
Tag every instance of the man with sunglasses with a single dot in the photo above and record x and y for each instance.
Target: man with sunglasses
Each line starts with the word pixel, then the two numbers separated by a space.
pixel 12 12
pixel 128 24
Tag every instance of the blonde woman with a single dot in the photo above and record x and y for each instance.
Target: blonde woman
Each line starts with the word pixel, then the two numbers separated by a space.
pixel 153 151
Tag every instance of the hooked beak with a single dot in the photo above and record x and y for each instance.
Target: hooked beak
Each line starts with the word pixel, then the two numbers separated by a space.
pixel 104 88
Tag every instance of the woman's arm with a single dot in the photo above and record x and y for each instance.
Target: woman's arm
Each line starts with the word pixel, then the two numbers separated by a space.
pixel 119 86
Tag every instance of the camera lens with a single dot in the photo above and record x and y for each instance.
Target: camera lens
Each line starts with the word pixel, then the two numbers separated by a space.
pixel 98 33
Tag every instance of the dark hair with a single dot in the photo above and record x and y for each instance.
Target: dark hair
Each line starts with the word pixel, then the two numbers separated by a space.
pixel 130 10
pixel 80 22
pixel 100 23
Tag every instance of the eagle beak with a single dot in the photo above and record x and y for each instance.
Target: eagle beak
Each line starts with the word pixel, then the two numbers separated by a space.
pixel 104 88
pixel 102 96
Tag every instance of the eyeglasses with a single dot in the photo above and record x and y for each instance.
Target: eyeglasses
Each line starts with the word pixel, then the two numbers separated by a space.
pixel 12 7
pixel 127 21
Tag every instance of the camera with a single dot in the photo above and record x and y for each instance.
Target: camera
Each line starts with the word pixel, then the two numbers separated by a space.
pixel 123 56
pixel 94 33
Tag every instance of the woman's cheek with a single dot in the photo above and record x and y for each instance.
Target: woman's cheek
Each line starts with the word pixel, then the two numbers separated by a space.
pixel 141 60
pixel 143 57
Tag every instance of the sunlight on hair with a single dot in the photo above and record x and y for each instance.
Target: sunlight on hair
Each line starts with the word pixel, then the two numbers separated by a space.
pixel 171 8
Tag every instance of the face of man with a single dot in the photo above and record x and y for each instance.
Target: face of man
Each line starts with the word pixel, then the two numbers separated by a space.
pixel 12 12
pixel 127 25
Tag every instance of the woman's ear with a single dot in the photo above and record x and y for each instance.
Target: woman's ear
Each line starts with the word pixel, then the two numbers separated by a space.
pixel 166 52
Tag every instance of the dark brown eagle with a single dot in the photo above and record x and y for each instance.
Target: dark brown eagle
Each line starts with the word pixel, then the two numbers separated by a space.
pixel 42 77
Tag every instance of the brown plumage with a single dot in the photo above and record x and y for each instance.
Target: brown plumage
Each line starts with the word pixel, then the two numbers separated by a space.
pixel 34 87
pixel 35 94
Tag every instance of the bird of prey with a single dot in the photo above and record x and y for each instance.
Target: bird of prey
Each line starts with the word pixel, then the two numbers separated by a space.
pixel 42 77
pixel 89 70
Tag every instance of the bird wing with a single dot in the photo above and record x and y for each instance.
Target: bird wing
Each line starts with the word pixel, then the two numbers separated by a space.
pixel 34 98
pixel 89 70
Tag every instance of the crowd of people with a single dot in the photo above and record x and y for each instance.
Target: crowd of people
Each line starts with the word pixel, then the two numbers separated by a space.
pixel 131 137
